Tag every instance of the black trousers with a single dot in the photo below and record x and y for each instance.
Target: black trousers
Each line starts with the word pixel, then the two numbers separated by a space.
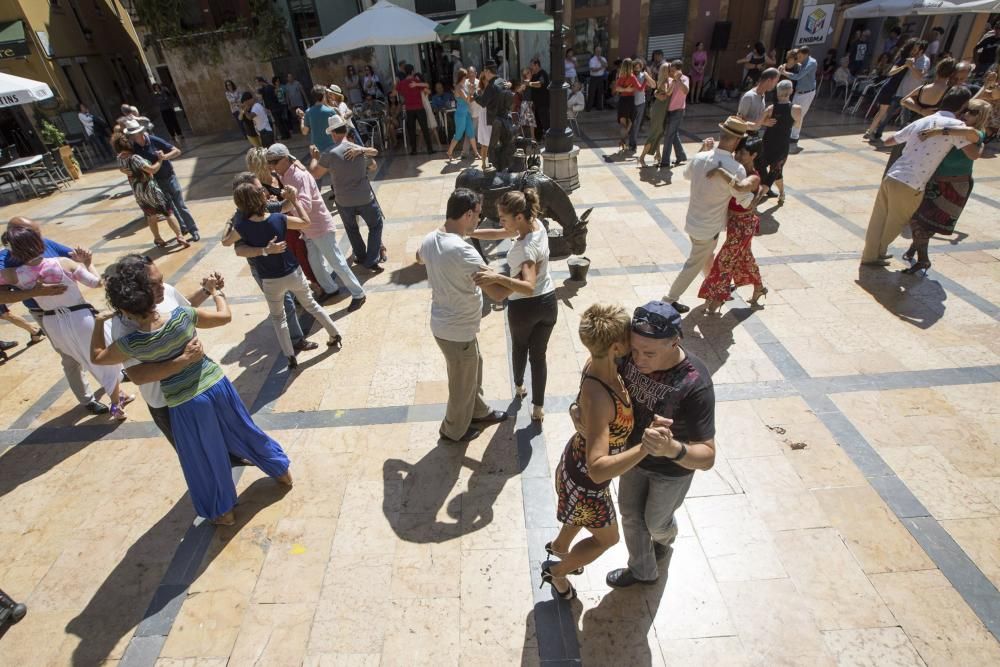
pixel 531 322
pixel 414 116
pixel 541 122
pixel 170 121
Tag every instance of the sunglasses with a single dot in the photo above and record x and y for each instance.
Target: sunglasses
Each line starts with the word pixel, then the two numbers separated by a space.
pixel 275 160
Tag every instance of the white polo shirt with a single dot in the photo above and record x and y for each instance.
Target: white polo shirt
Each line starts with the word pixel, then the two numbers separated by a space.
pixel 707 209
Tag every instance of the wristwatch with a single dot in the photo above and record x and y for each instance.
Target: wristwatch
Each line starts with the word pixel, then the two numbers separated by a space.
pixel 681 454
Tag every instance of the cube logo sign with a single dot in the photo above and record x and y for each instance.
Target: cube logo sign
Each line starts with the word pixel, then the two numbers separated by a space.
pixel 814 26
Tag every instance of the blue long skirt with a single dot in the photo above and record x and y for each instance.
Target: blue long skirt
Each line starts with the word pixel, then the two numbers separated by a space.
pixel 207 429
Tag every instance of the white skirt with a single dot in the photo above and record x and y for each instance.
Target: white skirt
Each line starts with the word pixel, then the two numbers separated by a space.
pixel 69 332
pixel 483 130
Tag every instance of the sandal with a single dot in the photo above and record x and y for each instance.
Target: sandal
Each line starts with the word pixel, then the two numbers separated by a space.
pixel 118 409
pixel 559 554
pixel 184 243
pixel 227 519
pixel 36 337
pixel 160 243
pixel 336 342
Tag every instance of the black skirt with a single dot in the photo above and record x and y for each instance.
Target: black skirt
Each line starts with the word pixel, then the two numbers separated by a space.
pixel 626 107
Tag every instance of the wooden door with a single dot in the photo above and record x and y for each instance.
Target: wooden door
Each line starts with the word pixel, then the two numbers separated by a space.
pixel 747 20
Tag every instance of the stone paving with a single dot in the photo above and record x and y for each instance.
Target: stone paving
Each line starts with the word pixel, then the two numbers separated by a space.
pixel 877 542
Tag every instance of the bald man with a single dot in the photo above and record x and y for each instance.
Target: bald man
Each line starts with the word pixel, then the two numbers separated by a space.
pixel 71 368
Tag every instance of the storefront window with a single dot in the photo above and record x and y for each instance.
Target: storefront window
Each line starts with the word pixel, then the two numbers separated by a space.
pixel 589 33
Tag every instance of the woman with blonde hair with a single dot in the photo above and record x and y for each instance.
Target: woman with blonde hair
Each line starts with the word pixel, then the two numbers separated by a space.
pixel 596 453
pixel 626 87
pixel 532 309
pixel 950 187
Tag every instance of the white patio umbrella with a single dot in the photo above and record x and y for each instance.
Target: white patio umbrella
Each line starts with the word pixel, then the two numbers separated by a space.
pixel 876 8
pixel 382 24
pixel 16 90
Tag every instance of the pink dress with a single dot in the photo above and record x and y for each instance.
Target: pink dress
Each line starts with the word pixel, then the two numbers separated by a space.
pixel 699 60
pixel 68 330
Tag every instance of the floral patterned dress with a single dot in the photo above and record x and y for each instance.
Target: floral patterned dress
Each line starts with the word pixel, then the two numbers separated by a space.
pixel 147 191
pixel 582 501
pixel 735 263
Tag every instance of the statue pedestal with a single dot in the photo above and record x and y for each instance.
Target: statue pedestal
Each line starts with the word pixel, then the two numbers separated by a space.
pixel 562 168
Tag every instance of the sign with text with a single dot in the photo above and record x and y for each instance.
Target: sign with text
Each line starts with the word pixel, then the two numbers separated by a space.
pixel 815 25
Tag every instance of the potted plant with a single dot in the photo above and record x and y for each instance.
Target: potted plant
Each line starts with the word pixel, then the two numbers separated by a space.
pixel 54 138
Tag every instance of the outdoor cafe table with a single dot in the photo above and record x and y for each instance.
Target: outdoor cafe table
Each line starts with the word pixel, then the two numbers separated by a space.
pixel 20 166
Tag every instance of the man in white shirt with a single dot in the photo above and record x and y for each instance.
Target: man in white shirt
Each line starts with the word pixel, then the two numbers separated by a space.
pixel 709 203
pixel 254 110
pixel 754 101
pixel 95 130
pixel 456 311
pixel 598 81
pixel 934 48
pixel 902 188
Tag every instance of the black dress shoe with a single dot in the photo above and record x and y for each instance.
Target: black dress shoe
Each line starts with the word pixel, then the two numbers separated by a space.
pixel 95 407
pixel 195 236
pixel 494 417
pixel 471 434
pixel 7 345
pixel 623 577
pixel 326 296
pixel 293 363
pixel 304 345
pixel 356 304
pixel 680 161
pixel 680 307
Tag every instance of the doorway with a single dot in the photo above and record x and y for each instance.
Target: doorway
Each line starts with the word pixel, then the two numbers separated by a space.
pixel 746 18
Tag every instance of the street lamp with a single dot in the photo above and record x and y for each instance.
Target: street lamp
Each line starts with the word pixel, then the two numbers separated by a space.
pixel 559 156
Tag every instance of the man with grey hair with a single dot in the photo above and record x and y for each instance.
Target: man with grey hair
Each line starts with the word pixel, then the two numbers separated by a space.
pixel 753 103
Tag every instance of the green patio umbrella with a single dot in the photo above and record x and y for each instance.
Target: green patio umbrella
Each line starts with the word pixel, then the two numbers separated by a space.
pixel 498 15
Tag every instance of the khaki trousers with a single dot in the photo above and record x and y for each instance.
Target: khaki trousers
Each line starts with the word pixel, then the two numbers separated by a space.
pixel 465 386
pixel 274 293
pixel 894 206
pixel 701 253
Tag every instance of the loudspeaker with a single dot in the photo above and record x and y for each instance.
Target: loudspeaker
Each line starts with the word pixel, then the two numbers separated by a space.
pixel 785 35
pixel 720 35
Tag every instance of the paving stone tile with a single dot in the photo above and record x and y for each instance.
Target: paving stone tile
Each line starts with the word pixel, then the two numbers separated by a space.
pixel 738 545
pixel 872 647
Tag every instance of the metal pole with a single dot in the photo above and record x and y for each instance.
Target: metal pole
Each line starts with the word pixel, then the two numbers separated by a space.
pixel 559 137
pixel 395 86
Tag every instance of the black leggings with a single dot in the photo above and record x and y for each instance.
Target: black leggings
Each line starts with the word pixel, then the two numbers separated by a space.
pixel 531 322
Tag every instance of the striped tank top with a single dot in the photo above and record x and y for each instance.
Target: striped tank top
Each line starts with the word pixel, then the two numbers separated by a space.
pixel 168 343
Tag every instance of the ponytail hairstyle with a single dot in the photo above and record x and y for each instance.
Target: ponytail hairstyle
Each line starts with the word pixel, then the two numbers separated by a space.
pixel 524 203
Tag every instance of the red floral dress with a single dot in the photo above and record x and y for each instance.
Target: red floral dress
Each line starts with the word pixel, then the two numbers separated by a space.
pixel 735 263
pixel 582 501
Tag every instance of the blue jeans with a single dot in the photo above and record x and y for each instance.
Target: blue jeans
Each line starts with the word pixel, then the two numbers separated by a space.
pixel 672 137
pixel 325 247
pixel 294 328
pixel 637 117
pixel 172 188
pixel 371 213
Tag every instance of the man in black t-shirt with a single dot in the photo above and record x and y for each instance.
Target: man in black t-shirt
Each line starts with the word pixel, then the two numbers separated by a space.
pixel 673 401
pixel 539 85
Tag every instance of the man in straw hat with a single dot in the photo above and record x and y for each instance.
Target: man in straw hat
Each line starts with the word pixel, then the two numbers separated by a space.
pixel 706 214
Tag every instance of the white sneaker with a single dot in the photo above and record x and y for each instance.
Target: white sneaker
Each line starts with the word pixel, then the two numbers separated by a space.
pixel 520 391
pixel 537 413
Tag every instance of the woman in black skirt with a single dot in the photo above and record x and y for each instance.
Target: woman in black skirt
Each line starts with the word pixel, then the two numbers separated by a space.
pixel 777 138
pixel 626 87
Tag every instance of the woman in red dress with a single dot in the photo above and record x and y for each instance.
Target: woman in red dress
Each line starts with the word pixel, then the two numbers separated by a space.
pixel 735 263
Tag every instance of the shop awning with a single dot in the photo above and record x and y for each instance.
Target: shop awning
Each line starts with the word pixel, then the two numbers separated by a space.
pixel 877 8
pixel 382 24
pixel 12 41
pixel 16 90
pixel 498 15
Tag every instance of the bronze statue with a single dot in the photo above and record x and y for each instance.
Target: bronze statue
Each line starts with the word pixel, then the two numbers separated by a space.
pixel 555 203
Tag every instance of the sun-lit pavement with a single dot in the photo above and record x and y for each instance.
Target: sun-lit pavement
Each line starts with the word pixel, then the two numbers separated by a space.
pixel 853 515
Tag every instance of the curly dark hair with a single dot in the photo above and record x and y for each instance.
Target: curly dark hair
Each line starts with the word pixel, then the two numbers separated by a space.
pixel 127 286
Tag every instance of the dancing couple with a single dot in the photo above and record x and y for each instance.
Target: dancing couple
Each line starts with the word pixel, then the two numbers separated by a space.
pixel 649 419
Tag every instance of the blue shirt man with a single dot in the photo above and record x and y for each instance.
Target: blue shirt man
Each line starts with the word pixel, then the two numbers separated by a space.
pixel 806 89
pixel 317 119
pixel 155 149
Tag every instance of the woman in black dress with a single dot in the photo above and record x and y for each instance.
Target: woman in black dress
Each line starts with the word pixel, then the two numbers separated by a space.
pixel 888 95
pixel 755 62
pixel 777 138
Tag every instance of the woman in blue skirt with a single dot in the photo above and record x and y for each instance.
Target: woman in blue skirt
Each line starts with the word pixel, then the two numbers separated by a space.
pixel 208 417
pixel 465 127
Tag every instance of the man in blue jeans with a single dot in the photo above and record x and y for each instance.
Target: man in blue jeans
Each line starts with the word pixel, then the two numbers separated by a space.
pixel 348 163
pixel 155 150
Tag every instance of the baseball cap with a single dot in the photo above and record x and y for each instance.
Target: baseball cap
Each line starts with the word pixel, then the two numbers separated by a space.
pixel 335 122
pixel 276 152
pixel 657 319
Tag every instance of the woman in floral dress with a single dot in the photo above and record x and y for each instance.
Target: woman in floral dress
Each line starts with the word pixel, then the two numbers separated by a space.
pixel 148 195
pixel 735 263
pixel 595 455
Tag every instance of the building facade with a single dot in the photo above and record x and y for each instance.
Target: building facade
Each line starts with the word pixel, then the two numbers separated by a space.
pixel 85 51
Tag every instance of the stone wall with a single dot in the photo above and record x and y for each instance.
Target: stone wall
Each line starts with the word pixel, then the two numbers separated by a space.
pixel 201 85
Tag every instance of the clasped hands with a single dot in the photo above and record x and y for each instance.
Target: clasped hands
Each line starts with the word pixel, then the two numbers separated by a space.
pixel 657 440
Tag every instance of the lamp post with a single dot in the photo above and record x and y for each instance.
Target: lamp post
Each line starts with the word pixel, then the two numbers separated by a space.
pixel 559 155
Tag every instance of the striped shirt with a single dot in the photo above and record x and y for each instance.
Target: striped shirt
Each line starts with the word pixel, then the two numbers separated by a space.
pixel 167 343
